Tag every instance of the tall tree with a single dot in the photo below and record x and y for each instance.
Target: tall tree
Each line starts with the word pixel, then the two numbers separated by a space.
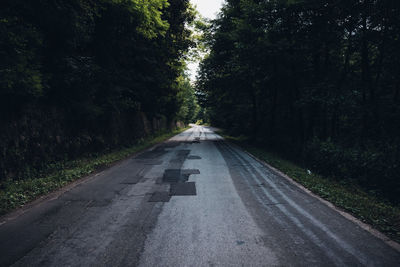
pixel 315 79
pixel 75 75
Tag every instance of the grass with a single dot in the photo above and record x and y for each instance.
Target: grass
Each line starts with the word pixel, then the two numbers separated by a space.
pixel 16 193
pixel 346 195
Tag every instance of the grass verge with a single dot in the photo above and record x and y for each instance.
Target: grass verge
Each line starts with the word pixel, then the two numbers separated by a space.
pixel 381 215
pixel 15 194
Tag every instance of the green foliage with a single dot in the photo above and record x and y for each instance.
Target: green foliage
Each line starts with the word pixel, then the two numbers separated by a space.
pixel 189 108
pixel 150 11
pixel 83 76
pixel 317 80
pixel 365 166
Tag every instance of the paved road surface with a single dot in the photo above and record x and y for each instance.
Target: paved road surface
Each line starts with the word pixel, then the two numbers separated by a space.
pixel 192 201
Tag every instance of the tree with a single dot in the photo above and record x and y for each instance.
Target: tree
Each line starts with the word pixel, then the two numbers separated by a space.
pixel 315 79
pixel 75 75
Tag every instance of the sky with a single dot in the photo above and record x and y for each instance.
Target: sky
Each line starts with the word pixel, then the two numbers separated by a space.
pixel 208 9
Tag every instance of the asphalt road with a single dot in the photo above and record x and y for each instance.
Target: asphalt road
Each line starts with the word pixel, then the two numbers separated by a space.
pixel 192 201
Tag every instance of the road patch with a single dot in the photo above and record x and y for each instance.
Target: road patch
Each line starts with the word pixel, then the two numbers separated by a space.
pixel 183 189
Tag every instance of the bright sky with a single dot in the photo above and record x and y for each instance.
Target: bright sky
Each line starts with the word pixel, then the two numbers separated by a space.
pixel 208 9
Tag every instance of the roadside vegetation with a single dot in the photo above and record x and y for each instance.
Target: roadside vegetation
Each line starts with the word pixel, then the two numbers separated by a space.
pixel 315 81
pixel 86 76
pixel 348 196
pixel 83 80
pixel 16 193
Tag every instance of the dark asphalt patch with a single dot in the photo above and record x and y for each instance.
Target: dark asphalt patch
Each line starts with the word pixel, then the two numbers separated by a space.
pixel 193 157
pixel 190 171
pixel 183 189
pixel 160 197
pixel 172 176
pixel 180 157
pixel 177 175
pixel 196 140
pixel 183 153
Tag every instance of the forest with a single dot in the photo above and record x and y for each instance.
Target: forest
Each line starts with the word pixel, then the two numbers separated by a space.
pixel 85 76
pixel 315 81
pixel 281 149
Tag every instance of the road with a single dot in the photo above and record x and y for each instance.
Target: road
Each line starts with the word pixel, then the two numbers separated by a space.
pixel 194 200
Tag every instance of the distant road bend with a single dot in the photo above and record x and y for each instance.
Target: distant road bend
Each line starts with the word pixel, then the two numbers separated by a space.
pixel 194 200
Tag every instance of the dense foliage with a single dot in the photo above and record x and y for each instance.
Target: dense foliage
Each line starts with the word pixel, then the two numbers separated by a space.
pixel 316 80
pixel 189 108
pixel 79 76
